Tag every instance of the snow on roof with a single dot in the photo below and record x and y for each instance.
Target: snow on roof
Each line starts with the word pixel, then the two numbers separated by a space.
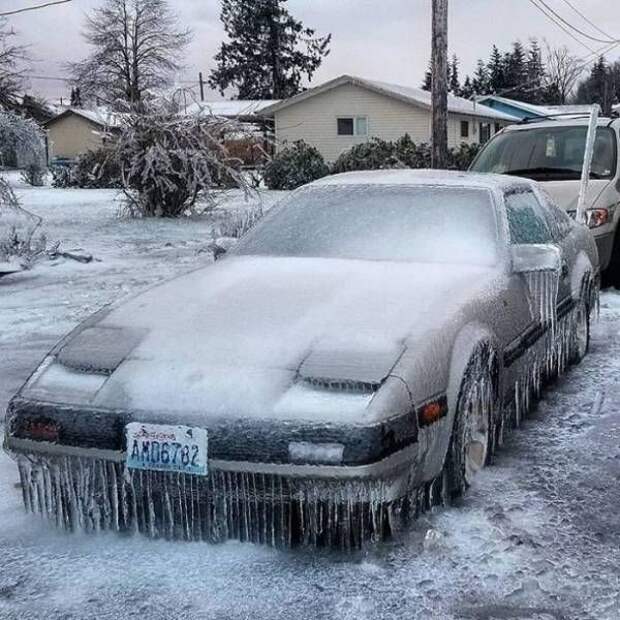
pixel 101 116
pixel 422 177
pixel 408 94
pixel 233 108
pixel 539 110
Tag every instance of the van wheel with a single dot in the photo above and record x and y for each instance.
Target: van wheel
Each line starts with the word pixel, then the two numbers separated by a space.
pixel 470 445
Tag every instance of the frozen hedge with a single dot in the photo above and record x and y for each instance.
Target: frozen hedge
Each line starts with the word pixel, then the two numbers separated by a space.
pixel 295 165
pixel 98 169
pixel 378 154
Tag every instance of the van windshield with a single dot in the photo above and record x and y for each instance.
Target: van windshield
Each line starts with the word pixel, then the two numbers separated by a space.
pixel 549 153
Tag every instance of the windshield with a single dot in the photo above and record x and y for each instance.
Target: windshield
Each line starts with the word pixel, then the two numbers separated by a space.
pixel 396 223
pixel 550 153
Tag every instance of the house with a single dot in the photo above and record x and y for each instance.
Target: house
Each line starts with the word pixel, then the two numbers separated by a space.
pixel 526 111
pixel 75 132
pixel 349 110
pixel 243 110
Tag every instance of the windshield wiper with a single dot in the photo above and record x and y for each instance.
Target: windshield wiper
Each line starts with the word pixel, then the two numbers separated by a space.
pixel 543 170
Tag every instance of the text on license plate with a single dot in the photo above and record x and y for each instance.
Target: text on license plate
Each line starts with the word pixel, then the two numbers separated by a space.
pixel 162 447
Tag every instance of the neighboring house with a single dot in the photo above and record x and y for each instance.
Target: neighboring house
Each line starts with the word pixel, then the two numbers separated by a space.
pixel 526 111
pixel 243 110
pixel 76 131
pixel 349 110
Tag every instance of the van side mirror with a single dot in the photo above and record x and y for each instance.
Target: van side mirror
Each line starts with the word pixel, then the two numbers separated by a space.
pixel 536 257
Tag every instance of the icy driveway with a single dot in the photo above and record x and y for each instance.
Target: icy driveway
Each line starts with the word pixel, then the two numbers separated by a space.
pixel 537 537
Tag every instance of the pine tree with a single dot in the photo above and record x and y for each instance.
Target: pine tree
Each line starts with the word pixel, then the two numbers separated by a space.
pixel 76 97
pixel 481 82
pixel 516 71
pixel 454 85
pixel 535 75
pixel 496 71
pixel 598 87
pixel 467 90
pixel 427 84
pixel 268 51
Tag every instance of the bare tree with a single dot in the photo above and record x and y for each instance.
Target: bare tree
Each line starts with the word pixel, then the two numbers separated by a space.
pixel 137 46
pixel 12 56
pixel 562 73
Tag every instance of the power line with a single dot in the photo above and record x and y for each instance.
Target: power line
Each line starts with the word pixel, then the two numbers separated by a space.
pixel 559 25
pixel 34 8
pixel 573 27
pixel 587 19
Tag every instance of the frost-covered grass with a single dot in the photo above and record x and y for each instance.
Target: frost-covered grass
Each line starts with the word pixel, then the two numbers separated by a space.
pixel 537 537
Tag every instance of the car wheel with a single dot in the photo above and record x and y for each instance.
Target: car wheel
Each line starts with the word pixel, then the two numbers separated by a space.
pixel 580 338
pixel 471 443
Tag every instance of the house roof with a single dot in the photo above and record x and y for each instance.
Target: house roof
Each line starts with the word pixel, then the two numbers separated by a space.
pixel 101 117
pixel 408 94
pixel 539 110
pixel 239 108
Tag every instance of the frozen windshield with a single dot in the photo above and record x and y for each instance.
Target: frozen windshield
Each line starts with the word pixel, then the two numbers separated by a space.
pixel 399 223
pixel 550 153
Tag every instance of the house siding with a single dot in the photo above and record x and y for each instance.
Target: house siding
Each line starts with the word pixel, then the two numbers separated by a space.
pixel 71 136
pixel 314 120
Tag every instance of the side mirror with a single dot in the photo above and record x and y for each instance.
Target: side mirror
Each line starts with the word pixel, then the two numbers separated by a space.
pixel 536 257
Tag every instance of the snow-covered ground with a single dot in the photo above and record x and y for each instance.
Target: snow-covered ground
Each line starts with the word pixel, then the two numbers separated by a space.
pixel 538 536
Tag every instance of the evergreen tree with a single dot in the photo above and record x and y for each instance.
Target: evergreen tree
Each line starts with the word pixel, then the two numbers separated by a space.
pixel 516 71
pixel 598 87
pixel 454 85
pixel 427 84
pixel 495 68
pixel 268 51
pixel 535 75
pixel 467 90
pixel 76 97
pixel 481 83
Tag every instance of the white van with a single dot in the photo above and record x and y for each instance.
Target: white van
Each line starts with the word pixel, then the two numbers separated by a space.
pixel 551 151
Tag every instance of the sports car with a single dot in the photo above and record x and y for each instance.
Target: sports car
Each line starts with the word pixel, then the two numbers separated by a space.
pixel 355 358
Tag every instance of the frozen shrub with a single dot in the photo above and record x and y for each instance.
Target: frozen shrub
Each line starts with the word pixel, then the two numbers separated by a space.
pixel 169 162
pixel 22 145
pixel 235 224
pixel 62 176
pixel 98 169
pixel 294 166
pixel 18 230
pixel 378 154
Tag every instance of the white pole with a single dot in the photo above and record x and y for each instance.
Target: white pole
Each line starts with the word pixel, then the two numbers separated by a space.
pixel 587 165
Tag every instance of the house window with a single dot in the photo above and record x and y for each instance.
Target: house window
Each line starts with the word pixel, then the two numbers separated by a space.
pixel 464 129
pixel 485 132
pixel 353 126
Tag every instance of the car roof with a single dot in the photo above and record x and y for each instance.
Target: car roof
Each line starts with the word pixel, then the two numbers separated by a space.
pixel 563 121
pixel 435 178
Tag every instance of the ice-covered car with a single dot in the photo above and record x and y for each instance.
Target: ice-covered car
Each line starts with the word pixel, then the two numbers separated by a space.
pixel 356 356
pixel 551 151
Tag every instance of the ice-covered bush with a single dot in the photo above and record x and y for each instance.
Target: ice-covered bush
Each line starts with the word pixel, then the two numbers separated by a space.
pixel 378 154
pixel 294 166
pixel 99 169
pixel 19 238
pixel 171 162
pixel 22 145
pixel 236 223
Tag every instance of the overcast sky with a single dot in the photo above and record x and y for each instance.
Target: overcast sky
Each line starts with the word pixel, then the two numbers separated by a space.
pixel 380 39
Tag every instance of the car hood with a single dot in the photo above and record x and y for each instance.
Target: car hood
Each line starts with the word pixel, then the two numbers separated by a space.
pixel 232 339
pixel 566 193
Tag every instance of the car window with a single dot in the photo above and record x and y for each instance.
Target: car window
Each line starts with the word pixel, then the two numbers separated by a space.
pixel 558 220
pixel 381 222
pixel 525 221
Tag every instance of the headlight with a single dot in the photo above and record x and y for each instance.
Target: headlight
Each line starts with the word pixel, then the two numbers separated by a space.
pixel 597 217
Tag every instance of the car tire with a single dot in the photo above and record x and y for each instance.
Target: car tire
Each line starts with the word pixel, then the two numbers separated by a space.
pixel 471 443
pixel 580 338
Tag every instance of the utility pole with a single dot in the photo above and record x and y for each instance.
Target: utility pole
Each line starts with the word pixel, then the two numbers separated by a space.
pixel 202 86
pixel 440 84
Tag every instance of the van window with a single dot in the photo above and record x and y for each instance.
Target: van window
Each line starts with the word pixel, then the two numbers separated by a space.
pixel 549 153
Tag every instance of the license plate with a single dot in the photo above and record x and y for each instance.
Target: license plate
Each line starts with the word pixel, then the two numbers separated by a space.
pixel 162 447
